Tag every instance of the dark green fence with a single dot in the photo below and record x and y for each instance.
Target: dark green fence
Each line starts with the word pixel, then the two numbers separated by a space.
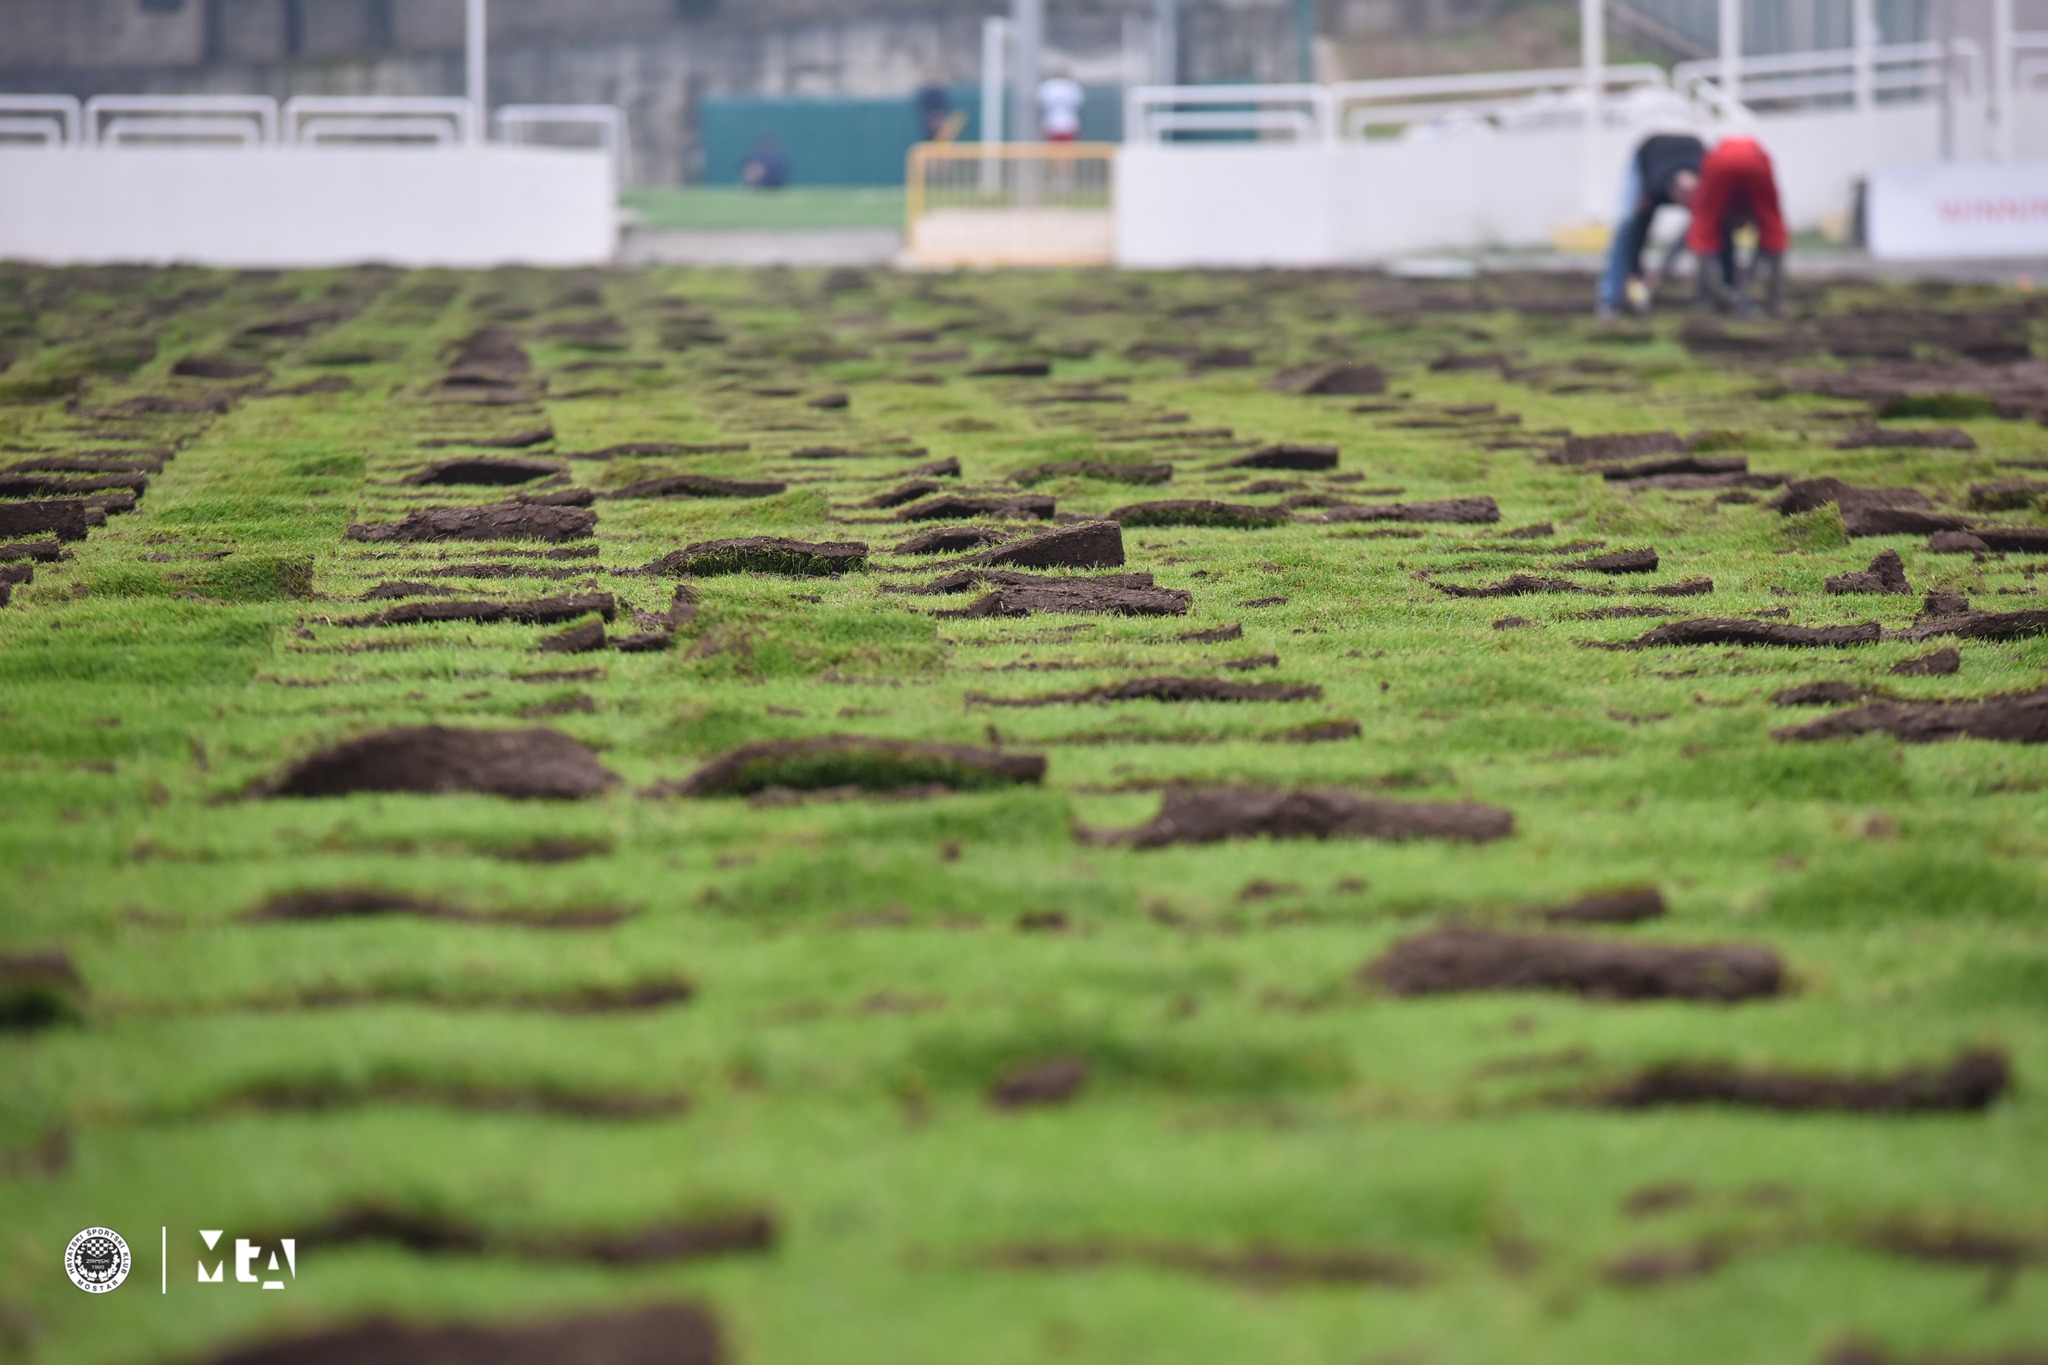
pixel 833 140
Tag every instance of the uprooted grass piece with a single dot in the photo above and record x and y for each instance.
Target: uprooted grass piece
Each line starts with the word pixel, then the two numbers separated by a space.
pixel 1287 456
pixel 1259 1265
pixel 2016 718
pixel 1447 961
pixel 2014 539
pixel 575 640
pixel 1043 1081
pixel 64 518
pixel 1716 630
pixel 41 551
pixel 506 521
pixel 1703 466
pixel 1806 495
pixel 1898 521
pixel 1166 689
pixel 60 486
pixel 361 902
pixel 905 492
pixel 489 470
pixel 1863 1353
pixel 948 506
pixel 871 764
pixel 1642 560
pixel 1820 694
pixel 517 440
pixel 1347 381
pixel 1956 543
pixel 483 1097
pixel 1207 815
pixel 38 990
pixel 1907 438
pixel 1076 597
pixel 1515 585
pixel 1088 545
pixel 763 554
pixel 665 1334
pixel 1628 905
pixel 1980 625
pixel 1886 574
pixel 1685 587
pixel 436 1234
pixel 951 540
pixel 1199 512
pixel 1939 663
pixel 1629 446
pixel 1479 511
pixel 700 486
pixel 432 759
pixel 1971 1082
pixel 1103 470
pixel 546 611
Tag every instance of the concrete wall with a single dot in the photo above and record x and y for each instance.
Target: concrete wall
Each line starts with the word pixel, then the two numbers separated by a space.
pixel 292 207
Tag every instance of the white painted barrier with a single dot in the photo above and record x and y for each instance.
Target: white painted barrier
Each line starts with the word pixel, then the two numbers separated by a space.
pixel 1963 211
pixel 280 207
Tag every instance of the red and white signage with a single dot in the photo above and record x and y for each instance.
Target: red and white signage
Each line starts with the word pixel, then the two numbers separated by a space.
pixel 1963 211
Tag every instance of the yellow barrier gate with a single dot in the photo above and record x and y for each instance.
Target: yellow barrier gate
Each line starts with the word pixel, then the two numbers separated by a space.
pixel 1012 203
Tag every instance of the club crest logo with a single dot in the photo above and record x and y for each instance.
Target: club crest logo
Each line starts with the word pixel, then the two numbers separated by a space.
pixel 97 1260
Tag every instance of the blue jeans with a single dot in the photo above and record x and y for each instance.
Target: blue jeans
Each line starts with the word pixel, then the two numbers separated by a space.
pixel 1614 283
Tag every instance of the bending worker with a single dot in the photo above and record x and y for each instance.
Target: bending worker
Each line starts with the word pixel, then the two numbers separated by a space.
pixel 1664 170
pixel 1738 189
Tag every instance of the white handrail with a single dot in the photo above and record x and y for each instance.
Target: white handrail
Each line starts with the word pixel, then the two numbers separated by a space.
pixel 65 109
pixel 395 131
pixel 613 133
pixel 1146 105
pixel 222 108
pixel 451 110
pixel 119 132
pixel 1756 72
pixel 42 127
pixel 1482 82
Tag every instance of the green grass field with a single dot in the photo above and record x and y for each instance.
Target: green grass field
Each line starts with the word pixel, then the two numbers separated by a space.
pixel 713 208
pixel 1429 1180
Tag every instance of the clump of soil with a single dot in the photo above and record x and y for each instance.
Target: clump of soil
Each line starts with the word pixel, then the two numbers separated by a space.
pixel 1980 625
pixel 1628 905
pixel 1207 815
pixel 1886 574
pixel 1862 1353
pixel 491 471
pixel 1629 446
pixel 952 540
pixel 2011 495
pixel 41 551
pixel 39 990
pixel 1479 511
pixel 871 764
pixel 1012 369
pixel 1907 438
pixel 2016 718
pixel 1287 457
pixel 1820 694
pixel 1199 512
pixel 1514 585
pixel 1166 689
pixel 517 440
pixel 506 521
pixel 59 486
pixel 1261 1265
pixel 1076 597
pixel 295 1096
pixel 1088 545
pixel 1969 1083
pixel 1714 630
pixel 432 760
pixel 63 518
pixel 1098 469
pixel 1456 960
pixel 359 902
pixel 435 1234
pixel 666 1334
pixel 700 486
pixel 1661 1265
pixel 214 367
pixel 902 493
pixel 581 639
pixel 1346 381
pixel 1806 495
pixel 1939 663
pixel 1642 560
pixel 1034 1084
pixel 2015 539
pixel 545 611
pixel 1898 521
pixel 950 506
pixel 1685 587
pixel 763 554
pixel 1216 636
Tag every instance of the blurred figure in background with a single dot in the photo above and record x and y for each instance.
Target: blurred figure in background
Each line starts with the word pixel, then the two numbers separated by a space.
pixel 936 115
pixel 1059 108
pixel 1664 170
pixel 767 168
pixel 1738 189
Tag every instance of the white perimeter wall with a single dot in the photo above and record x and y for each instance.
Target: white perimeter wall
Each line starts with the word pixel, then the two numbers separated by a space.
pixel 290 206
pixel 1287 204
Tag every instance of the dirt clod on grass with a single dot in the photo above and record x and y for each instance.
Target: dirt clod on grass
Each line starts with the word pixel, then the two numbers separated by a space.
pixel 1259 1265
pixel 63 518
pixel 1820 694
pixel 952 506
pixel 871 764
pixel 1907 438
pixel 1940 663
pixel 763 554
pixel 1166 689
pixel 516 440
pixel 1898 521
pixel 1863 1353
pixel 1347 381
pixel 487 470
pixel 1304 457
pixel 1088 545
pixel 39 989
pixel 1104 470
pixel 1514 585
pixel 433 760
pixel 1476 511
pixel 506 521
pixel 1716 630
pixel 950 540
pixel 666 1334
pixel 1643 560
pixel 1218 635
pixel 1969 1083
pixel 1447 961
pixel 1886 574
pixel 286 1096
pixel 1630 446
pixel 1807 495
pixel 361 902
pixel 1627 905
pixel 700 486
pixel 1199 512
pixel 2014 539
pixel 580 639
pixel 1040 1082
pixel 1980 625
pixel 662 1242
pixel 1076 597
pixel 544 611
pixel 2016 718
pixel 1208 815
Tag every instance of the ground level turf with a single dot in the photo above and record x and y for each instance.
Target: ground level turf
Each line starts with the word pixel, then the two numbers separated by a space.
pixel 958 1077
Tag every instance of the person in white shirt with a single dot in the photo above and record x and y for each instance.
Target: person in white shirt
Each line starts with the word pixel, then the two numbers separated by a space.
pixel 1059 108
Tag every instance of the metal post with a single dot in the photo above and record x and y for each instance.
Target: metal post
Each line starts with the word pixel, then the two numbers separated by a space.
pixel 1731 54
pixel 475 42
pixel 1863 40
pixel 2001 77
pixel 1166 33
pixel 1027 49
pixel 1305 41
pixel 1593 55
pixel 995 44
pixel 1947 59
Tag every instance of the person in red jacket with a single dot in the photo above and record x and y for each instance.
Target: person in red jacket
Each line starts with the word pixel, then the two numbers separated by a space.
pixel 1738 189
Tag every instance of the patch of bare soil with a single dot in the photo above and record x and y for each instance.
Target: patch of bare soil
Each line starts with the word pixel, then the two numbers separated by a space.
pixel 1805 495
pixel 516 440
pixel 1207 815
pixel 763 554
pixel 1685 587
pixel 485 470
pixel 1863 1353
pixel 1087 545
pixel 294 1096
pixel 1715 630
pixel 700 486
pixel 659 448
pixel 1626 905
pixel 39 989
pixel 214 367
pixel 1199 512
pixel 1515 585
pixel 902 493
pixel 1940 663
pixel 1037 1083
pixel 952 540
pixel 1979 625
pixel 1907 438
pixel 1260 1265
pixel 1477 511
pixel 1972 1082
pixel 1898 521
pixel 1348 381
pixel 360 902
pixel 666 1334
pixel 871 764
pixel 1104 470
pixel 545 611
pixel 1169 689
pixel 662 1242
pixel 1645 1266
pixel 1446 961
pixel 506 521
pixel 1076 597
pixel 1629 446
pixel 1216 636
pixel 582 639
pixel 1642 560
pixel 432 760
pixel 1820 694
pixel 1886 574
pixel 2016 718
pixel 1304 457
pixel 951 506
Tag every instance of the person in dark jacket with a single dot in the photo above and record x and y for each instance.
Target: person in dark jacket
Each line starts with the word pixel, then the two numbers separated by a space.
pixel 1664 170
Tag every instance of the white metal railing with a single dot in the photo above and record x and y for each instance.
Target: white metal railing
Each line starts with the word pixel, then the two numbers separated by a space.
pixel 183 132
pixel 439 119
pixel 1833 73
pixel 1303 112
pixel 515 122
pixel 202 117
pixel 54 117
pixel 1499 98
